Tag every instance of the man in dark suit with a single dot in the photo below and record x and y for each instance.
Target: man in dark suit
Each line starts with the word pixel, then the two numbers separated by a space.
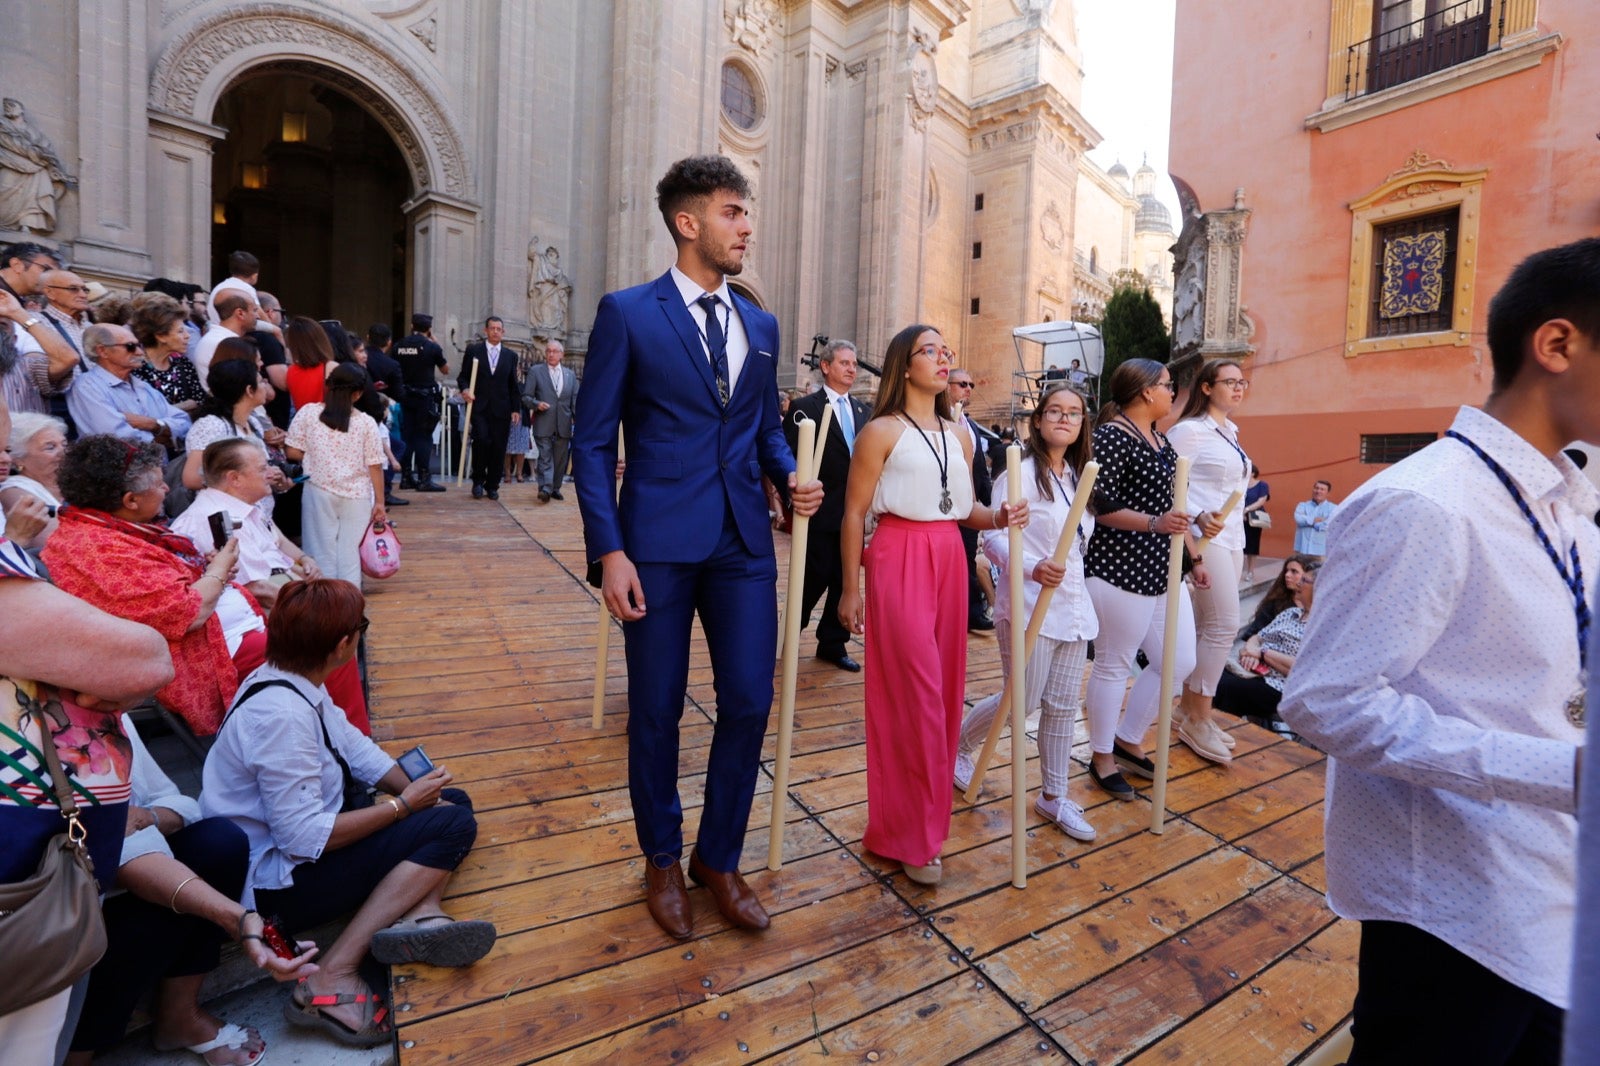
pixel 960 389
pixel 823 568
pixel 496 405
pixel 551 393
pixel 688 370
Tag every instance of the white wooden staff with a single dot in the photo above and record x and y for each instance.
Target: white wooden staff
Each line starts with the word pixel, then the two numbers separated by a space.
pixel 602 647
pixel 1169 651
pixel 1019 695
pixel 466 424
pixel 1080 503
pixel 1222 516
pixel 445 463
pixel 805 470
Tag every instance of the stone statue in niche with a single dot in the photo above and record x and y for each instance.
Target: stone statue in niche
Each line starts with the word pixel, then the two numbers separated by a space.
pixel 32 177
pixel 549 291
pixel 1186 326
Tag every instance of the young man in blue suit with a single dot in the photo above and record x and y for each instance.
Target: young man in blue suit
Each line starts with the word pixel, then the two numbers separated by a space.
pixel 688 371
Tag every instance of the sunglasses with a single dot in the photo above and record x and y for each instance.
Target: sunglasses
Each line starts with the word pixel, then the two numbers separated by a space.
pixel 128 346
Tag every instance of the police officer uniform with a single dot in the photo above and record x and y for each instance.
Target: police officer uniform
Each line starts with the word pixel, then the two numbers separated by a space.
pixel 420 401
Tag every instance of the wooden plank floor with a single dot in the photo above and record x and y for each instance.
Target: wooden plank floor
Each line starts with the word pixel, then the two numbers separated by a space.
pixel 1208 944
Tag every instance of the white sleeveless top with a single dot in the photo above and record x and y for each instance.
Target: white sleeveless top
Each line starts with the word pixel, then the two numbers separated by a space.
pixel 909 484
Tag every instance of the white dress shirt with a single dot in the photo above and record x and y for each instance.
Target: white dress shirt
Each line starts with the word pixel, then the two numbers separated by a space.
pixel 840 402
pixel 1070 616
pixel 206 349
pixel 1218 467
pixel 732 326
pixel 260 550
pixel 1435 673
pixel 272 774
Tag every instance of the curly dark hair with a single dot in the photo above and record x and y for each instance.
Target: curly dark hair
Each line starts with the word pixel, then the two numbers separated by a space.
pixel 688 182
pixel 97 470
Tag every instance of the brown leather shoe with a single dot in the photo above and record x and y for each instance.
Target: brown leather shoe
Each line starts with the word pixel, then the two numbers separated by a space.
pixel 668 899
pixel 734 898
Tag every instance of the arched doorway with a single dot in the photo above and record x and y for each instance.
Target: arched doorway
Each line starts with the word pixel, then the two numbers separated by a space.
pixel 310 182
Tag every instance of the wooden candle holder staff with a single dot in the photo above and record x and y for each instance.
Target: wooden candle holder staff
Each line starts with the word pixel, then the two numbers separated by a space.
pixel 810 444
pixel 1222 516
pixel 1169 651
pixel 1018 693
pixel 466 424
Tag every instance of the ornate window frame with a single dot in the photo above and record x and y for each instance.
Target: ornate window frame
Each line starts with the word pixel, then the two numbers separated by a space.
pixel 1423 186
pixel 755 137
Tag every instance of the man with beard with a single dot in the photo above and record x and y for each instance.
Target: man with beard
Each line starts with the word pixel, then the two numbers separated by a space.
pixel 688 371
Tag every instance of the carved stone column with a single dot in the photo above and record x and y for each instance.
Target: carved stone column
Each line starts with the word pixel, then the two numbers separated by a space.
pixel 179 167
pixel 1209 319
pixel 442 251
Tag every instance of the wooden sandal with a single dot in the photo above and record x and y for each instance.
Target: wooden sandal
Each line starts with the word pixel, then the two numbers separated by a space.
pixel 308 1014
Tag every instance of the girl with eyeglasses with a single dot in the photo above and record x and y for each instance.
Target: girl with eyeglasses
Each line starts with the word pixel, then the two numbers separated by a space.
pixel 1127 571
pixel 1205 432
pixel 1055 453
pixel 911 485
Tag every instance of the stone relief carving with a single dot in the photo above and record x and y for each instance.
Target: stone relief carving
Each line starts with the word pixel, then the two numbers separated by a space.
pixel 195 53
pixel 426 31
pixel 856 69
pixel 549 290
pixel 32 176
pixel 924 93
pixel 1051 228
pixel 752 23
pixel 1208 316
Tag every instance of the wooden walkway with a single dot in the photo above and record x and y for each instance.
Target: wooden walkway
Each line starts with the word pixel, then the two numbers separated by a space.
pixel 1208 944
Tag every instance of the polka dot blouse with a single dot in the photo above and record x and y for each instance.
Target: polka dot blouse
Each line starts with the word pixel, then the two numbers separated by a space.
pixel 1133 477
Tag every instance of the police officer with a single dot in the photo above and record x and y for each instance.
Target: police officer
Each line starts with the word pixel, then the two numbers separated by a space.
pixel 420 357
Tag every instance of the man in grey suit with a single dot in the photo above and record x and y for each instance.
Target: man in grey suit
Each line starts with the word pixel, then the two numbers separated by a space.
pixel 550 391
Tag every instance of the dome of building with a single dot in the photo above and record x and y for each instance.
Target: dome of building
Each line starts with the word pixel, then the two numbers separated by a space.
pixel 1118 171
pixel 1152 215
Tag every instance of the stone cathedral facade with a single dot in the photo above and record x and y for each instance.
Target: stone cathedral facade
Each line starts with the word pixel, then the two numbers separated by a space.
pixel 912 160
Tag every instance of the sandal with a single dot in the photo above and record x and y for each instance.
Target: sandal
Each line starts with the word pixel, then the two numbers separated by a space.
pixel 233 1038
pixel 930 874
pixel 435 939
pixel 308 1014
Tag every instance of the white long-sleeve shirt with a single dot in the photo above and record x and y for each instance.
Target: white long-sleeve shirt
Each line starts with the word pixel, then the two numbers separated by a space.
pixel 1071 615
pixel 1435 674
pixel 1219 467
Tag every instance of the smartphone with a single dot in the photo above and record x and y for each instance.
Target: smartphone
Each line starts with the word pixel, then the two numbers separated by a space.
pixel 1261 668
pixel 415 762
pixel 221 529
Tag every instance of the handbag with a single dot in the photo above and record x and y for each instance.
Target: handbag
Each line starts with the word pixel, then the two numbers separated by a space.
pixel 380 550
pixel 51 927
pixel 1259 519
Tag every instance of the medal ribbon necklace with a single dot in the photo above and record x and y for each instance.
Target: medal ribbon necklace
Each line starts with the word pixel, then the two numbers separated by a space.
pixel 1573 578
pixel 941 455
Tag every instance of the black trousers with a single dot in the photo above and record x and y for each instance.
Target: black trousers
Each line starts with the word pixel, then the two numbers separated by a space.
pixel 416 428
pixel 489 436
pixel 975 602
pixel 1246 697
pixel 340 881
pixel 147 943
pixel 824 574
pixel 1420 1002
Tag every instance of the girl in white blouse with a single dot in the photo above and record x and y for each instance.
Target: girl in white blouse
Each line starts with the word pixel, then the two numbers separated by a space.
pixel 342 452
pixel 1056 450
pixel 911 469
pixel 1219 467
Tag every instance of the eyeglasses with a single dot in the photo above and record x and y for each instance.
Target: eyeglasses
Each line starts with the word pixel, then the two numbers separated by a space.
pixel 1056 414
pixel 128 346
pixel 961 384
pixel 41 264
pixel 362 628
pixel 1234 383
pixel 1169 385
pixel 69 288
pixel 934 352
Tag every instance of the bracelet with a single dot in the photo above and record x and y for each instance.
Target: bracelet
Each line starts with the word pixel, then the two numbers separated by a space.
pixel 174 902
pixel 395 803
pixel 243 936
pixel 994 518
pixel 1152 527
pixel 406 805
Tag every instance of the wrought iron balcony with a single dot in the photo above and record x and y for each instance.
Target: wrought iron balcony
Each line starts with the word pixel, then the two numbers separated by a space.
pixel 1435 42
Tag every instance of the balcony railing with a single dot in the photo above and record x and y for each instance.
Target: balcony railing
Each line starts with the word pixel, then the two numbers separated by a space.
pixel 1435 42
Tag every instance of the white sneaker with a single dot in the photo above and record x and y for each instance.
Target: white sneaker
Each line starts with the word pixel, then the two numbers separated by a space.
pixel 964 770
pixel 1202 743
pixel 1220 734
pixel 1067 815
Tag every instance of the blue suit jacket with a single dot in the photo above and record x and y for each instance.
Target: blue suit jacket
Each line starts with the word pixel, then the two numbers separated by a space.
pixel 688 456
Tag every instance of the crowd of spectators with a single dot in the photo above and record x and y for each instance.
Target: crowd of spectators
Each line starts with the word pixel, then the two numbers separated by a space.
pixel 160 454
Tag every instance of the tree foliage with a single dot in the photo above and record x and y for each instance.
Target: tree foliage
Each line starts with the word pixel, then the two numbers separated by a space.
pixel 1132 328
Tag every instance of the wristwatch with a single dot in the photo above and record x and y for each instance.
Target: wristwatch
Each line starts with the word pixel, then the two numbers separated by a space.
pixel 33 320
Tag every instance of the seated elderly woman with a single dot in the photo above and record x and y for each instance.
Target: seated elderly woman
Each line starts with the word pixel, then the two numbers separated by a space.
pixel 293 774
pixel 1254 689
pixel 36 443
pixel 182 877
pixel 108 552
